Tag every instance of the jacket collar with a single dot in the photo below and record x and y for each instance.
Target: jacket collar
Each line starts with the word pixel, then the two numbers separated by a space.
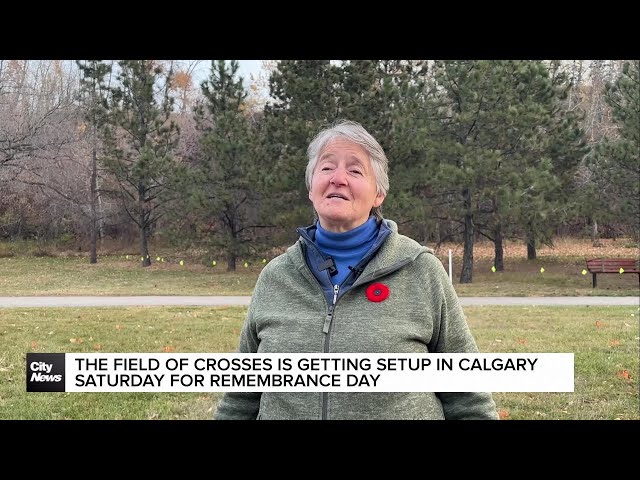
pixel 394 252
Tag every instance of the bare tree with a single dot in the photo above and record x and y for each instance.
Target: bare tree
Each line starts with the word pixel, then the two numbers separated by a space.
pixel 36 106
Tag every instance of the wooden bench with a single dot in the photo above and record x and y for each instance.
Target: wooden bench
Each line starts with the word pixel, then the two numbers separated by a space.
pixel 612 265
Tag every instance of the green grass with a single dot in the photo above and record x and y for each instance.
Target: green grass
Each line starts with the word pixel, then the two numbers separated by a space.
pixel 114 275
pixel 562 276
pixel 110 330
pixel 604 340
pixel 28 276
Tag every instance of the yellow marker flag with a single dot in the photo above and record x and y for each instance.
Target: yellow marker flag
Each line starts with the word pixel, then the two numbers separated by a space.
pixel 214 263
pixel 584 271
pixel 181 262
pixel 493 269
pixel 264 260
pixel 142 259
pixel 162 259
pixel 157 259
pixel 541 269
pixel 246 264
pixel 127 257
pixel 621 270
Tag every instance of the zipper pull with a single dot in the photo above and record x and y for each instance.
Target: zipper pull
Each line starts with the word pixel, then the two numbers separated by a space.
pixel 329 317
pixel 327 320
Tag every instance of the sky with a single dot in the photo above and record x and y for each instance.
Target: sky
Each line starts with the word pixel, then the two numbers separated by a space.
pixel 245 70
pixel 247 67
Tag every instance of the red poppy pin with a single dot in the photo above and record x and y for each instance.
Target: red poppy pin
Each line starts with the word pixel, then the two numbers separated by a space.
pixel 377 292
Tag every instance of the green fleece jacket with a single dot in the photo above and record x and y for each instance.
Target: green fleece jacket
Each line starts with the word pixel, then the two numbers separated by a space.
pixel 289 313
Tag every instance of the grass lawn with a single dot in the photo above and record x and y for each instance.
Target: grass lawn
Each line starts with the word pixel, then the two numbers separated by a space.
pixel 605 341
pixel 115 275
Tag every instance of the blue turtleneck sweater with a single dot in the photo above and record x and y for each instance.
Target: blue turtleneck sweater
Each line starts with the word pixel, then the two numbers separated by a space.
pixel 346 248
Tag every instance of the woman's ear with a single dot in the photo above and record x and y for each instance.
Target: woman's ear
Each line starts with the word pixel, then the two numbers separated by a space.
pixel 379 199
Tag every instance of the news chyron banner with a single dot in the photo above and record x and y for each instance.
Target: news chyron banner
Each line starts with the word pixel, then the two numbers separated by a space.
pixel 300 372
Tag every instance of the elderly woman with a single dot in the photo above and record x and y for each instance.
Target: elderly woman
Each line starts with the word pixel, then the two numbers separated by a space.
pixel 352 284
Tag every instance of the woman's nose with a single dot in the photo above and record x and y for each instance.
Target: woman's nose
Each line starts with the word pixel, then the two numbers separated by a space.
pixel 339 177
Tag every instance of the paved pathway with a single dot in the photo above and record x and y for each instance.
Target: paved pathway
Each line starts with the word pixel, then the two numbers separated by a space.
pixel 97 301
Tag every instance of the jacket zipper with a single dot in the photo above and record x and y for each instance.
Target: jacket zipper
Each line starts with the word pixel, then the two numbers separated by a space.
pixel 328 320
pixel 325 330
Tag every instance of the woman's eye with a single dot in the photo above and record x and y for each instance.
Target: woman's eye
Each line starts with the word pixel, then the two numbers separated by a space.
pixel 356 172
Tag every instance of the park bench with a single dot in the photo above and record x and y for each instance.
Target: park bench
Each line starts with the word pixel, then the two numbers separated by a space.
pixel 612 265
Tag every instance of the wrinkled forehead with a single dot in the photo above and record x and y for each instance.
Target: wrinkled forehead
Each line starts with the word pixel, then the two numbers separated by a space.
pixel 344 147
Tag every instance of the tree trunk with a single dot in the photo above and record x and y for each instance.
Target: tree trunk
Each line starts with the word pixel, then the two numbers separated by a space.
pixel 100 215
pixel 232 254
pixel 144 230
pixel 93 254
pixel 531 243
pixel 466 276
pixel 498 259
pixel 231 261
pixel 531 249
pixel 144 247
pixel 595 241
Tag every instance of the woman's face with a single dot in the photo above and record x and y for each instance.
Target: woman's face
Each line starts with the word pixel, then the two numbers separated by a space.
pixel 343 188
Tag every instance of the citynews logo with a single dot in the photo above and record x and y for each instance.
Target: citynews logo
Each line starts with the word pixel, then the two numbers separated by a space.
pixel 45 372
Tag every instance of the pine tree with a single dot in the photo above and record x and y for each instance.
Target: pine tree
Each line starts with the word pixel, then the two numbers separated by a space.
pixel 470 109
pixel 140 137
pixel 618 158
pixel 561 141
pixel 93 92
pixel 496 149
pixel 305 94
pixel 388 98
pixel 227 181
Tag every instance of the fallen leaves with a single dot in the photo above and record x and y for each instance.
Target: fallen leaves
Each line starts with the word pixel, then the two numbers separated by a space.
pixel 34 345
pixel 599 324
pixel 522 341
pixel 503 414
pixel 624 374
pixel 76 340
pixel 571 247
pixel 614 343
pixel 169 349
pixel 119 327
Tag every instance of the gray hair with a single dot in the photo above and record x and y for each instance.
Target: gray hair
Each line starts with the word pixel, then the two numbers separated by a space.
pixel 356 133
